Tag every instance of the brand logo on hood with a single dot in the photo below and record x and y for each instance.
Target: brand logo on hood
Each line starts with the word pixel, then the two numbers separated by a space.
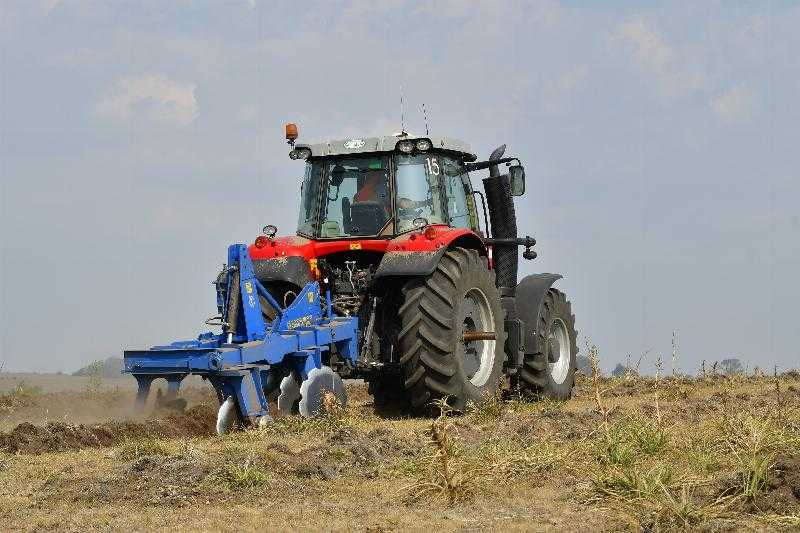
pixel 355 144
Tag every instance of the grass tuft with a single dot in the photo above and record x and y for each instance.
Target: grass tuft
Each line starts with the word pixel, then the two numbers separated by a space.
pixel 246 476
pixel 135 449
pixel 754 475
pixel 649 437
pixel 238 472
pixel 490 409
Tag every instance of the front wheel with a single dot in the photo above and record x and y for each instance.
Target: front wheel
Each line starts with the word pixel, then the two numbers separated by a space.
pixel 452 332
pixel 550 370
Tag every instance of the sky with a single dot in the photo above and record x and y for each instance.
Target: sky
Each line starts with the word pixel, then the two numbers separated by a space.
pixel 660 141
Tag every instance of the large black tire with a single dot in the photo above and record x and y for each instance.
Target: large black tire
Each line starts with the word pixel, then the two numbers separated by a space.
pixel 541 374
pixel 430 343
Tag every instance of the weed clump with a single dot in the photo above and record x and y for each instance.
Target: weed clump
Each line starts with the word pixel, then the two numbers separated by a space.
pixel 447 476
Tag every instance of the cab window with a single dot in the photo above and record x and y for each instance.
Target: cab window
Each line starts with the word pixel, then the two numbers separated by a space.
pixel 418 179
pixel 458 194
pixel 357 202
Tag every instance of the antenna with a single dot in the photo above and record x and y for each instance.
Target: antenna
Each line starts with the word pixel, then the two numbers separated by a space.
pixel 425 117
pixel 402 116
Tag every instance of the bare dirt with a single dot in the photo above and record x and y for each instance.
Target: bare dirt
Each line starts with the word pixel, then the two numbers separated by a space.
pixel 782 489
pixel 198 421
pixel 44 398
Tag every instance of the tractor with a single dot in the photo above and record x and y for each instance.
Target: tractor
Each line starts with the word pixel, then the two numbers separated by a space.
pixel 395 275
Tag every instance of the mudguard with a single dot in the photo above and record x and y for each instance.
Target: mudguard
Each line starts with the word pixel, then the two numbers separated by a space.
pixel 409 263
pixel 293 269
pixel 419 257
pixel 530 293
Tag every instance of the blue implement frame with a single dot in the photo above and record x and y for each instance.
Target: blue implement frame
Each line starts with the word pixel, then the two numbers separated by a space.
pixel 236 363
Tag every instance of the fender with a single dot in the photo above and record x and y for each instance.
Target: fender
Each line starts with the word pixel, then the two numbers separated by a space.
pixel 529 296
pixel 294 269
pixel 417 255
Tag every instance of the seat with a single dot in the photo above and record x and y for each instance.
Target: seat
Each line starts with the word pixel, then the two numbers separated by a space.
pixel 330 229
pixel 366 218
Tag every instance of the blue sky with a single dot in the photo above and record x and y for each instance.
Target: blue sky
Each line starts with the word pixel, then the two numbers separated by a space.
pixel 660 141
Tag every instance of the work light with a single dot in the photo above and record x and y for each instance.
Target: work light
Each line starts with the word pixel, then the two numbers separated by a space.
pixel 423 145
pixel 406 146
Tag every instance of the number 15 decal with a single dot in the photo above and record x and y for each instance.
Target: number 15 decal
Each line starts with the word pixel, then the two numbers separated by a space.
pixel 433 166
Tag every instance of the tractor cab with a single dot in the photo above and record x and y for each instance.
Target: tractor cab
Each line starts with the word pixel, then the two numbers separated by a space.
pixel 382 187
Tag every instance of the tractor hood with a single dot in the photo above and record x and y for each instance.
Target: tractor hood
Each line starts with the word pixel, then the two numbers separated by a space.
pixel 358 145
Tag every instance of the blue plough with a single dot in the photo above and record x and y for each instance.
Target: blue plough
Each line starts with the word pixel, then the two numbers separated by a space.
pixel 237 361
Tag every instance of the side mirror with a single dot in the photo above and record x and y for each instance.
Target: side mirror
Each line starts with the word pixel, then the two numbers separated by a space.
pixel 516 179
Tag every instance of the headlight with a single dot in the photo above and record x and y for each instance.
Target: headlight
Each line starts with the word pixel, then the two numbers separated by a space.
pixel 423 145
pixel 406 146
pixel 300 153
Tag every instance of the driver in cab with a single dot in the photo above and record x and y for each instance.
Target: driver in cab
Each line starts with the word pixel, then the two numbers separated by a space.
pixel 374 189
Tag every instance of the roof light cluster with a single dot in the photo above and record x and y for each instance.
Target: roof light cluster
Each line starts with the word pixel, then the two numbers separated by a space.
pixel 409 145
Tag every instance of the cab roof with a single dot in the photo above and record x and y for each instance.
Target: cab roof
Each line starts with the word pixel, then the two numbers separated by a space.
pixel 386 143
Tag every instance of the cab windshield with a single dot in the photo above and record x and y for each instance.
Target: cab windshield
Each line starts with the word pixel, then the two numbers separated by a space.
pixel 352 196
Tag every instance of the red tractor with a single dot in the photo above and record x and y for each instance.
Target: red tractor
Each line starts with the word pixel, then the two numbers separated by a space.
pixel 393 228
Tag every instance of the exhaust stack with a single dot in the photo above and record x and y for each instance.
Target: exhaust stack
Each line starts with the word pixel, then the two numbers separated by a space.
pixel 503 218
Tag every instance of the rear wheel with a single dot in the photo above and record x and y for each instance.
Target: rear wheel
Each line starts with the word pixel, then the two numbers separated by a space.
pixel 437 359
pixel 550 371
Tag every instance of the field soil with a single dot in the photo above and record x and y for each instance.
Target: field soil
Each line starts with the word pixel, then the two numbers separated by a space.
pixel 712 454
pixel 61 398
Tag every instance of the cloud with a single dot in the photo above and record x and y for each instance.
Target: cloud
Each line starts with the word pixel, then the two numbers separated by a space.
pixel 649 48
pixel 152 99
pixel 50 5
pixel 480 12
pixel 82 57
pixel 676 71
pixel 556 92
pixel 737 104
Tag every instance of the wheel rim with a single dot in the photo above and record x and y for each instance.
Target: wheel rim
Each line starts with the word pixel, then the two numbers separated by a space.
pixel 478 356
pixel 560 356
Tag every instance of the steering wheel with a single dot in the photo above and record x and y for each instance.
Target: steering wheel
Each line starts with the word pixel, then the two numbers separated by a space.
pixel 412 208
pixel 406 203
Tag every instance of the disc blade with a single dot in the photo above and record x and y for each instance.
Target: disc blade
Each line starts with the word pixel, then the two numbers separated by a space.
pixel 226 416
pixel 320 381
pixel 289 395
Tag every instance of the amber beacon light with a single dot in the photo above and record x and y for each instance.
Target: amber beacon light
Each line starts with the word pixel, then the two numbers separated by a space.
pixel 291 133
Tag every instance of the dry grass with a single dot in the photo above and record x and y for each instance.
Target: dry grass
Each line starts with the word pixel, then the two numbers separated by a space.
pixel 138 448
pixel 670 453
